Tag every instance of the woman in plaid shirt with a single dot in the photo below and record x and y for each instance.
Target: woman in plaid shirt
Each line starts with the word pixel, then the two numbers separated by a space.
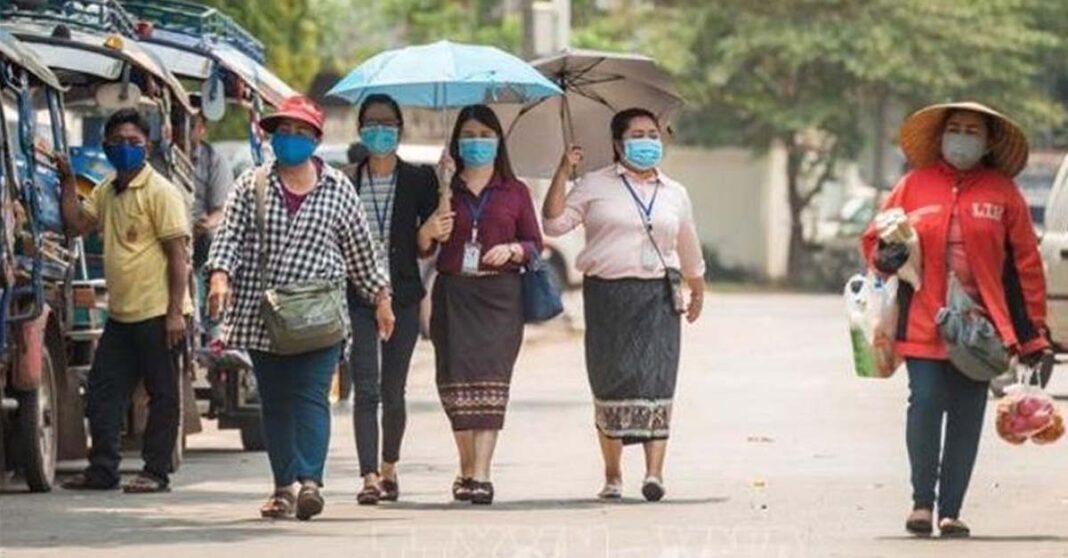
pixel 315 229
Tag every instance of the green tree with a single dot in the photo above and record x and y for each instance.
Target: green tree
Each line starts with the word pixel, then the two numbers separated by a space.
pixel 803 73
pixel 289 29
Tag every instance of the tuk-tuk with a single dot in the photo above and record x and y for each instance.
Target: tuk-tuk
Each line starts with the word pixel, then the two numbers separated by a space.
pixel 41 415
pixel 89 46
pixel 224 63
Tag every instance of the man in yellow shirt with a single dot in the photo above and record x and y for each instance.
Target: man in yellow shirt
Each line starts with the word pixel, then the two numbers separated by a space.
pixel 144 223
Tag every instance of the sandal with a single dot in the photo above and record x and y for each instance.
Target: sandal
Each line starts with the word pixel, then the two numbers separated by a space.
pixel 390 490
pixel 369 496
pixel 481 493
pixel 83 481
pixel 953 528
pixel 920 523
pixel 310 502
pixel 653 489
pixel 461 489
pixel 279 505
pixel 145 483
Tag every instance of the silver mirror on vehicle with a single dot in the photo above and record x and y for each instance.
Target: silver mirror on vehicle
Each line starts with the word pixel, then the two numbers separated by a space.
pixel 115 96
pixel 213 98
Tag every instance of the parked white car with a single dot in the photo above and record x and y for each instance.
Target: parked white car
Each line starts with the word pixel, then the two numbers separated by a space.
pixel 1055 256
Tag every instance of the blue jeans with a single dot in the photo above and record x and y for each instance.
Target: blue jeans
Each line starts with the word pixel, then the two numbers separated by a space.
pixel 942 395
pixel 294 393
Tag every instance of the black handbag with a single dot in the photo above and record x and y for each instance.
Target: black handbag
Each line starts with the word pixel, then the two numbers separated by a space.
pixel 541 298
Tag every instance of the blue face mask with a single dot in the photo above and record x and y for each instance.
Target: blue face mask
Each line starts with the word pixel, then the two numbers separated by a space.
pixel 380 140
pixel 126 157
pixel 643 153
pixel 292 149
pixel 478 152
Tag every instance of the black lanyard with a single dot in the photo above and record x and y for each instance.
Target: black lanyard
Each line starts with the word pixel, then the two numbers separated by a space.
pixel 645 210
pixel 382 213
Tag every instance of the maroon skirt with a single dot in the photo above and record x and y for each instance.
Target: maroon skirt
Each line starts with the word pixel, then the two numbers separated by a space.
pixel 476 324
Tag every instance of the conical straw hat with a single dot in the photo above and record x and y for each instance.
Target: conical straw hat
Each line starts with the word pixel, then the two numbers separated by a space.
pixel 921 137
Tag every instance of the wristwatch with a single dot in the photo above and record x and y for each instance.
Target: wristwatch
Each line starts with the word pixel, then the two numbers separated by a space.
pixel 383 295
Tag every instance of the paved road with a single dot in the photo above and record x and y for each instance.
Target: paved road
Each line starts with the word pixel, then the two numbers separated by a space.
pixel 776 452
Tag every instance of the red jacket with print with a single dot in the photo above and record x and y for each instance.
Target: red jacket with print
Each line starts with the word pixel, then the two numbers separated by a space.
pixel 1002 250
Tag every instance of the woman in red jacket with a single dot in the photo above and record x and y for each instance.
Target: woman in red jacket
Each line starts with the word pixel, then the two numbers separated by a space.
pixel 973 222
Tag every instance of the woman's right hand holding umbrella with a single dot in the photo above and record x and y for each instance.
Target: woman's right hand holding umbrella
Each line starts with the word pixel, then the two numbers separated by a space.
pixel 555 198
pixel 570 161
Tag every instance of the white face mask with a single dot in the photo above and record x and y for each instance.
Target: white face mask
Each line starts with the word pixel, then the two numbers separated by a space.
pixel 963 151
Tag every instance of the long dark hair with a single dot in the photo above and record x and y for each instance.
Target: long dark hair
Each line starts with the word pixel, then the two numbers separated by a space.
pixel 621 122
pixel 485 116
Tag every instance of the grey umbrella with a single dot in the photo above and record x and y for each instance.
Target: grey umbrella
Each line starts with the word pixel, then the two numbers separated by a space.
pixel 596 85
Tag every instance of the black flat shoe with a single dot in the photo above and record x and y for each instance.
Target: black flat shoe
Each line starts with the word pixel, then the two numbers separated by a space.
pixel 953 528
pixel 390 490
pixel 920 523
pixel 461 489
pixel 653 489
pixel 482 493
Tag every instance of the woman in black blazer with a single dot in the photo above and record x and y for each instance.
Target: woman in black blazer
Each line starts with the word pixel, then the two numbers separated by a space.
pixel 401 202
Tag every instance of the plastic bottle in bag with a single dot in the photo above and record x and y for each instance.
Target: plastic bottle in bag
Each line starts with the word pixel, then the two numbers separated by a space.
pixel 871 304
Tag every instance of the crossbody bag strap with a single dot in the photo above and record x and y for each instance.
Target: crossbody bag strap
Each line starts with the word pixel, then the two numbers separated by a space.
pixel 260 183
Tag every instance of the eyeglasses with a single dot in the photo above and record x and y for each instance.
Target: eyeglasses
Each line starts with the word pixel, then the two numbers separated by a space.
pixel 391 123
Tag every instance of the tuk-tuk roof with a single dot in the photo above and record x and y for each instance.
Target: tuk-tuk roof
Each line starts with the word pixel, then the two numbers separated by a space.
pixel 192 57
pixel 79 51
pixel 16 52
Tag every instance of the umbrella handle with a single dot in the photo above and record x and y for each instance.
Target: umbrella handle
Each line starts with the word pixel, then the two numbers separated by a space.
pixel 569 130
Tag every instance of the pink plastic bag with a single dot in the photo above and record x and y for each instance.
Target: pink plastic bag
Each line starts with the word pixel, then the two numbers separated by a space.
pixel 1028 412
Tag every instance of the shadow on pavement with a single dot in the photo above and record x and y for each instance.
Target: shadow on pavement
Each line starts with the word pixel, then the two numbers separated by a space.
pixel 979 538
pixel 550 504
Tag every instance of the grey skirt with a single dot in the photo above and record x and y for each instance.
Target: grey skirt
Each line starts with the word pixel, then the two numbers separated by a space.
pixel 476 324
pixel 632 356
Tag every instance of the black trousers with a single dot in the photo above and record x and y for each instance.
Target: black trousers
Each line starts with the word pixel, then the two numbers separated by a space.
pixel 380 382
pixel 129 352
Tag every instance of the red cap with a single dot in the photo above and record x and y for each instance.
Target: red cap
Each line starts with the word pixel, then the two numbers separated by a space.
pixel 297 107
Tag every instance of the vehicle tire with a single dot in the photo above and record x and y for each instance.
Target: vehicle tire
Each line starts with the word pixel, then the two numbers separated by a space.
pixel 36 430
pixel 252 436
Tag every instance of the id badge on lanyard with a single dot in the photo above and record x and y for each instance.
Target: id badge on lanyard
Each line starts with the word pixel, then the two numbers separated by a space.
pixel 473 248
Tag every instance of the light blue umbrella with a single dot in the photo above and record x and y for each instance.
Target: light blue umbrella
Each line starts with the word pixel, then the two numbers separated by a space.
pixel 446 75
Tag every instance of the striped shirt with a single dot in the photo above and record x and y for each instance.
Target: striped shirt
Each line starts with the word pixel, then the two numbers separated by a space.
pixel 377 194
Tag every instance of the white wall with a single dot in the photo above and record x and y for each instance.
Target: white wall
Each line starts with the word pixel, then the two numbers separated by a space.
pixel 739 203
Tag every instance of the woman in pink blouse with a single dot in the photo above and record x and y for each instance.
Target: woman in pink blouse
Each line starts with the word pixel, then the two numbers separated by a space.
pixel 639 233
pixel 476 320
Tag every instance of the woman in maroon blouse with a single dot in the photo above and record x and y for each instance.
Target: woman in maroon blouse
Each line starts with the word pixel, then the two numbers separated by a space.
pixel 476 322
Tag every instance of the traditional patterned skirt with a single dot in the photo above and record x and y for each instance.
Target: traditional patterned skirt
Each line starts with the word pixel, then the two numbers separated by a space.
pixel 476 324
pixel 632 356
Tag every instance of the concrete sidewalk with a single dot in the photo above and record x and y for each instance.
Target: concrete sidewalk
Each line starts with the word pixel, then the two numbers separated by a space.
pixel 776 451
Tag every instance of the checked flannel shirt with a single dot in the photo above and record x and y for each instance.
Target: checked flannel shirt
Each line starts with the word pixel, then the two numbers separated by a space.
pixel 328 238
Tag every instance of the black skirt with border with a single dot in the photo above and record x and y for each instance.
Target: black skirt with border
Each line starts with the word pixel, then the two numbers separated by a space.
pixel 632 356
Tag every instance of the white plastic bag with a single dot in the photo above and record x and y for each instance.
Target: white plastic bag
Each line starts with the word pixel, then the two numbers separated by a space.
pixel 871 304
pixel 894 226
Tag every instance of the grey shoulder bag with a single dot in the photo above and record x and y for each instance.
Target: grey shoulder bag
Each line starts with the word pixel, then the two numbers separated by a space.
pixel 303 316
pixel 975 348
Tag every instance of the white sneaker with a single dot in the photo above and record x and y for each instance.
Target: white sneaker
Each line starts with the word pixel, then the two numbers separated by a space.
pixel 611 491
